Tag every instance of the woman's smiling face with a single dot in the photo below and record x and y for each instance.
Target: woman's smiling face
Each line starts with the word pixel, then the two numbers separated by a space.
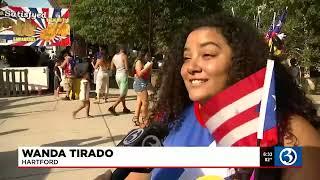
pixel 207 60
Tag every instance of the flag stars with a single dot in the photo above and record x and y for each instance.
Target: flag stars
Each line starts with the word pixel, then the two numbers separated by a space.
pixel 275 104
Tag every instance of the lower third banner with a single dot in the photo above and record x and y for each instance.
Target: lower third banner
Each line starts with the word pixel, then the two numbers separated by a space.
pixel 193 157
pixel 138 157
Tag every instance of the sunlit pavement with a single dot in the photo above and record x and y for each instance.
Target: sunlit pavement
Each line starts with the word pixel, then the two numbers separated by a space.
pixel 46 121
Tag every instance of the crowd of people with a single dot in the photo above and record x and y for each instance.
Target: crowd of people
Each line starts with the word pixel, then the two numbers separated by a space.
pixel 77 80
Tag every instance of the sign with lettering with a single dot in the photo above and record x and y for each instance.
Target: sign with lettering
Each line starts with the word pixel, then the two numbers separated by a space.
pixel 24 26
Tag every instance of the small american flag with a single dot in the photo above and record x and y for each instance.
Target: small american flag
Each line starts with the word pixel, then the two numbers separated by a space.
pixel 232 115
pixel 276 28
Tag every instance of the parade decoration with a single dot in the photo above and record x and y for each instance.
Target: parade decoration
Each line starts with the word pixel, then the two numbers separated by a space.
pixel 24 26
pixel 274 37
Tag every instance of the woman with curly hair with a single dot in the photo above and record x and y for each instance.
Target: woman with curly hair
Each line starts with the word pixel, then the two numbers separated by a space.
pixel 212 54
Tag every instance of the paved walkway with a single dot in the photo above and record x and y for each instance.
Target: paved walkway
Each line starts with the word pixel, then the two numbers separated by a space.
pixel 44 121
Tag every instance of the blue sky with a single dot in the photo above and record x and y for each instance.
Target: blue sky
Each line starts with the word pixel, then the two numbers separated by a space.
pixel 29 3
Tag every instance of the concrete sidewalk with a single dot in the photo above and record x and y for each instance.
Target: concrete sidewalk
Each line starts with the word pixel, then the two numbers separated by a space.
pixel 45 121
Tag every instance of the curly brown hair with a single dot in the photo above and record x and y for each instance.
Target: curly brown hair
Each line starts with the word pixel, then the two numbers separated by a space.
pixel 250 53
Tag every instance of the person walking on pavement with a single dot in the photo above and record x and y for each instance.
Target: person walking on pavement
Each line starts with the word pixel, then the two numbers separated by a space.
pixel 102 83
pixel 120 61
pixel 84 95
pixel 68 67
pixel 57 78
pixel 142 71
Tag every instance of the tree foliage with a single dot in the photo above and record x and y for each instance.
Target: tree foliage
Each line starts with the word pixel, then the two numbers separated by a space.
pixel 301 27
pixel 127 21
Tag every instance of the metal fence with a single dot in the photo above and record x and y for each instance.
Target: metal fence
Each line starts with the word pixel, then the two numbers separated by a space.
pixel 13 82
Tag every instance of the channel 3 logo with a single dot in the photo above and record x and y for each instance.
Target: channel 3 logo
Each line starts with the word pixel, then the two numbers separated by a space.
pixel 288 156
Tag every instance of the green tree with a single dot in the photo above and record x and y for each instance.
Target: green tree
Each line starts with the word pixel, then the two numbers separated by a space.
pixel 171 15
pixel 301 27
pixel 127 21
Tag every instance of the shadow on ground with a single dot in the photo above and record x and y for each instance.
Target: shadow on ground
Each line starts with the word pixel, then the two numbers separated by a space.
pixel 9 159
pixel 6 101
pixel 12 131
pixel 24 105
pixel 8 115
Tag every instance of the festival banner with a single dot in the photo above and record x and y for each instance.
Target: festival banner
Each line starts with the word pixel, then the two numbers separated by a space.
pixel 25 26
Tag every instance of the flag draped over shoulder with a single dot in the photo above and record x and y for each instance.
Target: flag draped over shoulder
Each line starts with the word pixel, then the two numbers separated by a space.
pixel 232 115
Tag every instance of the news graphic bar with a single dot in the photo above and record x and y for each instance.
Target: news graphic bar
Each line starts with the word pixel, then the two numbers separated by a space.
pixel 266 157
pixel 117 157
pixel 283 157
pixel 195 157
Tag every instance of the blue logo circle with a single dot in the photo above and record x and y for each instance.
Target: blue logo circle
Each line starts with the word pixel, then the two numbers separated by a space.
pixel 288 156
